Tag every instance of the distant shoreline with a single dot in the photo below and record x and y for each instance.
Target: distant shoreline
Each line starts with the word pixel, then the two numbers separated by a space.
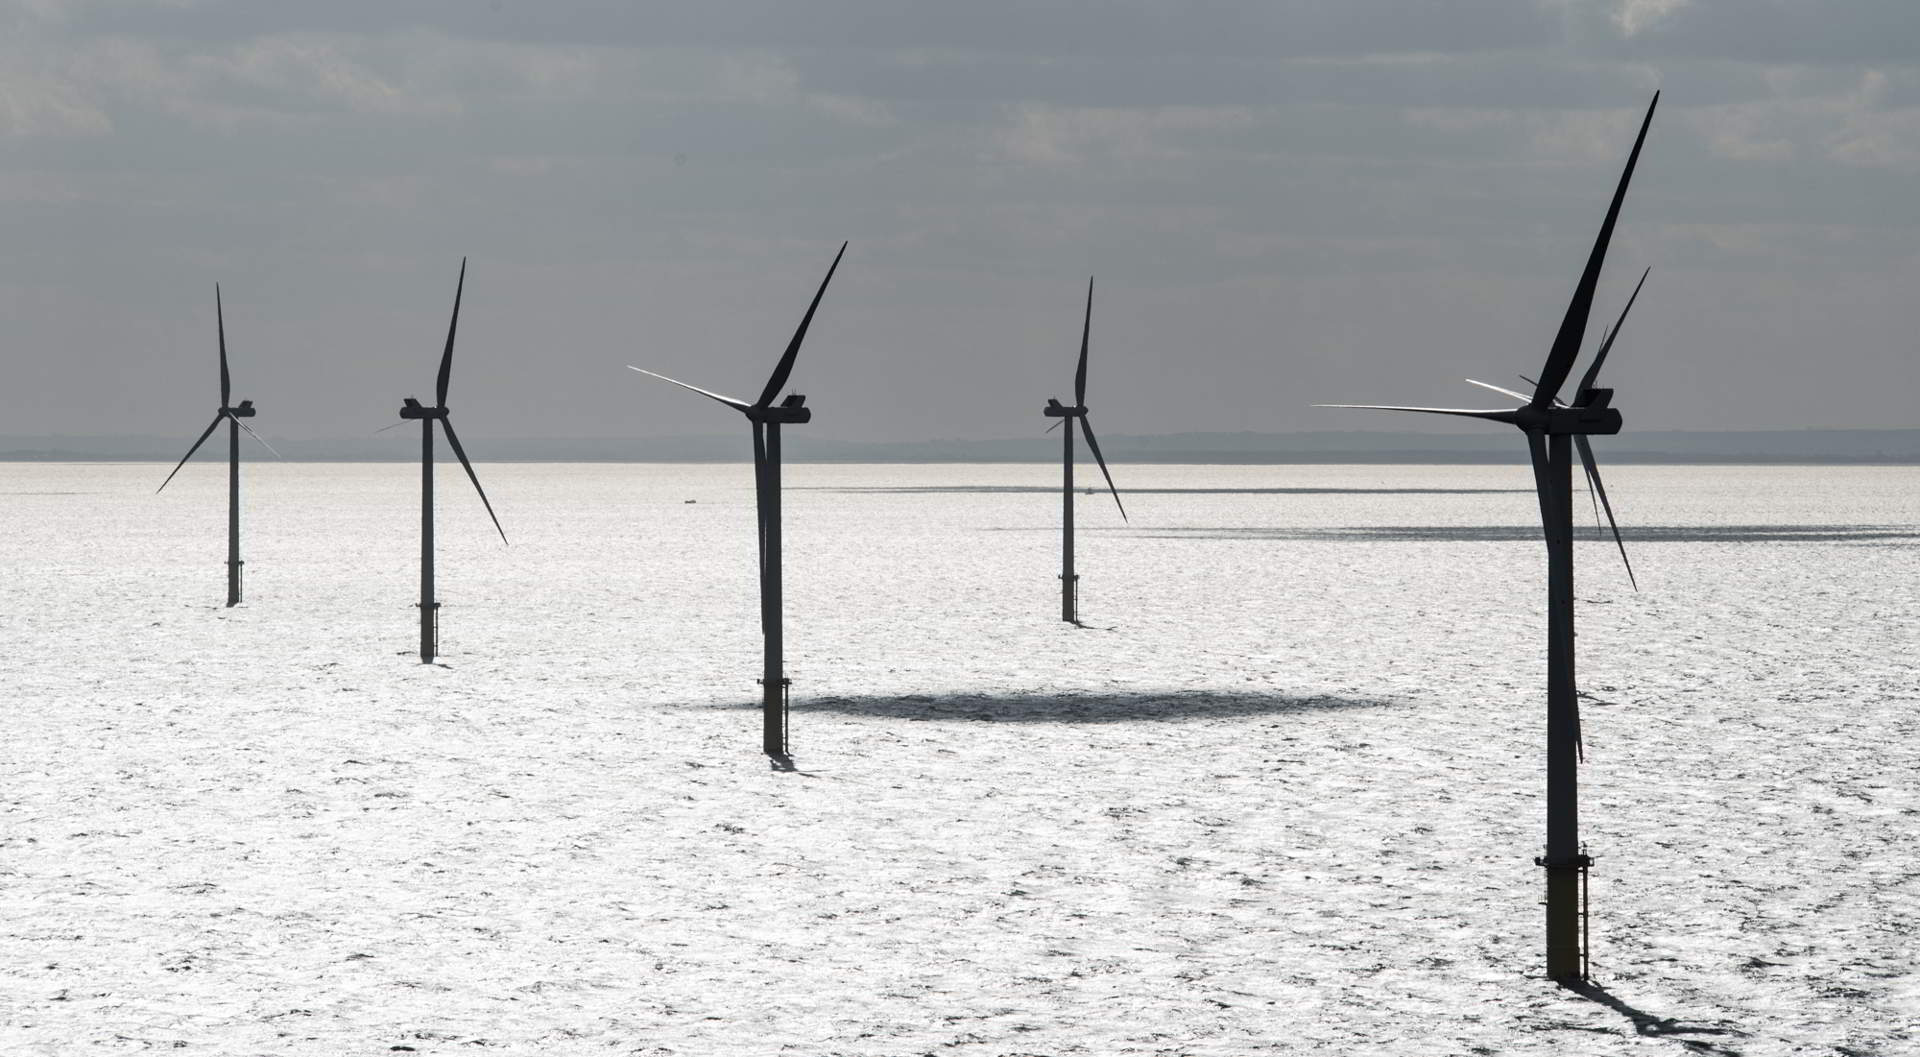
pixel 1195 459
pixel 1811 447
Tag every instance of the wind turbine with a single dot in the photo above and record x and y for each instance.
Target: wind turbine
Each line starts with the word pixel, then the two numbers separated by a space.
pixel 767 418
pixel 1069 580
pixel 411 408
pixel 232 415
pixel 1552 429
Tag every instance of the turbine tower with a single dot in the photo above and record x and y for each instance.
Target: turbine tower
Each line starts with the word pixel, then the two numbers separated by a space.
pixel 232 415
pixel 767 418
pixel 1552 429
pixel 1069 580
pixel 411 408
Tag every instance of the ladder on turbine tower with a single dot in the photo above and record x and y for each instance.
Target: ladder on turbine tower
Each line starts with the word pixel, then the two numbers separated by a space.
pixel 786 703
pixel 436 627
pixel 1584 864
pixel 1586 932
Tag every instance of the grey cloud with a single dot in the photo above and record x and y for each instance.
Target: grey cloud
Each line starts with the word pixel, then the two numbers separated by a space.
pixel 1782 32
pixel 1284 203
pixel 1174 80
pixel 1031 27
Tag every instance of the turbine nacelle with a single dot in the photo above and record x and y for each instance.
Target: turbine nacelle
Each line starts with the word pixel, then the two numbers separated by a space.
pixel 1584 420
pixel 789 412
pixel 245 410
pixel 1055 409
pixel 411 408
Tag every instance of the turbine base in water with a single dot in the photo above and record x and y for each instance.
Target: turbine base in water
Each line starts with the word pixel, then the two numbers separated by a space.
pixel 1569 958
pixel 775 703
pixel 429 631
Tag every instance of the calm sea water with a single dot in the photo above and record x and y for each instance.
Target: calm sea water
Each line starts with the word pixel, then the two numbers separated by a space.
pixel 1281 792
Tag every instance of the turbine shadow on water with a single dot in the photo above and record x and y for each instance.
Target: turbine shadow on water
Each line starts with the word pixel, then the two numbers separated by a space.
pixel 1016 489
pixel 1127 707
pixel 1871 535
pixel 1649 1025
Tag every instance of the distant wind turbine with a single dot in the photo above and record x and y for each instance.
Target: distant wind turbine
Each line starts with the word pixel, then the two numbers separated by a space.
pixel 232 415
pixel 767 418
pixel 411 408
pixel 1551 426
pixel 1069 580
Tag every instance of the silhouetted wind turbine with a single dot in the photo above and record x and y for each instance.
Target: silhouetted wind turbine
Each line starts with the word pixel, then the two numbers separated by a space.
pixel 767 418
pixel 1550 425
pixel 411 408
pixel 232 415
pixel 1069 580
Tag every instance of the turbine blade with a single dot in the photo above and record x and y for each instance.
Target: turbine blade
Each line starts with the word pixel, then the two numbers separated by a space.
pixel 258 437
pixel 1080 373
pixel 1557 402
pixel 1593 474
pixel 1522 397
pixel 1057 423
pixel 383 429
pixel 760 511
pixel 220 314
pixel 1592 495
pixel 1544 487
pixel 1573 327
pixel 759 480
pixel 1492 416
pixel 1542 477
pixel 453 441
pixel 737 405
pixel 196 447
pixel 446 358
pixel 1579 731
pixel 1086 430
pixel 778 379
pixel 1593 370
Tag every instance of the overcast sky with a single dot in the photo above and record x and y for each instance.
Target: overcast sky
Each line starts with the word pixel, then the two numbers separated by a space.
pixel 1283 202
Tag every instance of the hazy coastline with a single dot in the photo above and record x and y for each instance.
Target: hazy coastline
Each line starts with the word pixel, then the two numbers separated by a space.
pixel 1808 446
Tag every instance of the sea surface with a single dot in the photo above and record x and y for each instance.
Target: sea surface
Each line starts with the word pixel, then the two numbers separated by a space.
pixel 1280 793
